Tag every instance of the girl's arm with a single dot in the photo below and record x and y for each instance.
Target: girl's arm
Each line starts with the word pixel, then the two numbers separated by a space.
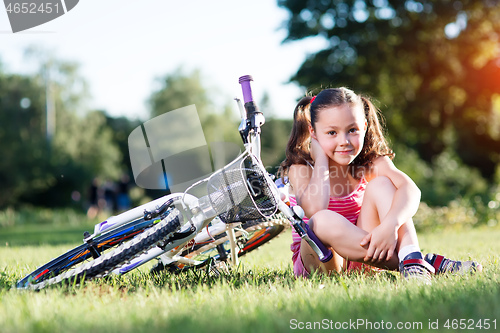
pixel 312 186
pixel 404 206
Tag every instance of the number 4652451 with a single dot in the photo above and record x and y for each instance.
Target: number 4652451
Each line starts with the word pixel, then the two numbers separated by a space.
pixel 470 324
pixel 32 8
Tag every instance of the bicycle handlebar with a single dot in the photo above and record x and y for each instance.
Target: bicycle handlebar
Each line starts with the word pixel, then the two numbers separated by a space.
pixel 253 113
pixel 247 89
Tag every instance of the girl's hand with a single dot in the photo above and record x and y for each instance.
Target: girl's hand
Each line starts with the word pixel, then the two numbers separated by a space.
pixel 316 150
pixel 381 243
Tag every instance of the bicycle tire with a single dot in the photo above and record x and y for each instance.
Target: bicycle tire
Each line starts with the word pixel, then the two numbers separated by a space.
pixel 263 231
pixel 137 241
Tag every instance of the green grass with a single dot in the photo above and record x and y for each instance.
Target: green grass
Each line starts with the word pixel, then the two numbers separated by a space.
pixel 42 235
pixel 42 226
pixel 259 296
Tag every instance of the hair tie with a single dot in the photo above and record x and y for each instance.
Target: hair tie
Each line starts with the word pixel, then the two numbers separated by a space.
pixel 312 99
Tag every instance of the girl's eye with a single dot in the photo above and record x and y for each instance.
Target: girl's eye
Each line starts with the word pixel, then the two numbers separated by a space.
pixel 353 130
pixel 332 133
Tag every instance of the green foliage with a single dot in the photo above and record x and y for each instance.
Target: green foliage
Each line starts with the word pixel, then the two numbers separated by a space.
pixel 433 65
pixel 458 214
pixel 221 127
pixel 452 179
pixel 44 164
pixel 453 194
pixel 443 180
pixel 120 128
pixel 275 134
pixel 180 89
pixel 88 141
pixel 23 163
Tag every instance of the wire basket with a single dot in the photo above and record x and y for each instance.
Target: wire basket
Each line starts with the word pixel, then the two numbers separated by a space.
pixel 242 191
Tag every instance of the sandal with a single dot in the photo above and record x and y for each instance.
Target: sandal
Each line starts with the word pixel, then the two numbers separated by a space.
pixel 417 270
pixel 444 265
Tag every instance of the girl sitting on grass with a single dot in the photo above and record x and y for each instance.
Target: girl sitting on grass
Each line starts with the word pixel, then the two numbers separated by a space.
pixel 360 205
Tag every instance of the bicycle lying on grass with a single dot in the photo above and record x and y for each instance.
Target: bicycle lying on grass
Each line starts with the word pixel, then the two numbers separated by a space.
pixel 242 206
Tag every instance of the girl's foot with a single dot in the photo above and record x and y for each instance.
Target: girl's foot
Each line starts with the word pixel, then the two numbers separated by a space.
pixel 444 265
pixel 414 268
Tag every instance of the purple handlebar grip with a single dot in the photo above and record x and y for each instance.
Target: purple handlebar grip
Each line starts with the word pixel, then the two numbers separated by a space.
pixel 327 253
pixel 245 86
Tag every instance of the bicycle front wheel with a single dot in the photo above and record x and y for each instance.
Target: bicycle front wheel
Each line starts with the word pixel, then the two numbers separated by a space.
pixel 108 252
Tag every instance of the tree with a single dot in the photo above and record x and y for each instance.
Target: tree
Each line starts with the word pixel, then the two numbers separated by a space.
pixel 23 162
pixel 274 137
pixel 120 128
pixel 180 89
pixel 275 134
pixel 433 65
pixel 45 167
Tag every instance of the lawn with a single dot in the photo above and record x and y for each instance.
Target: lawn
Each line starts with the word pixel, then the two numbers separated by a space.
pixel 259 296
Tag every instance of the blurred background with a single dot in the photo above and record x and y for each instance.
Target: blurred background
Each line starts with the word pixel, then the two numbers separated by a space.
pixel 71 91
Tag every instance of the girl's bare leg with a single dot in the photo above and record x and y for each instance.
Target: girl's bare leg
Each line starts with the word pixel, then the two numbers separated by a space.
pixel 336 232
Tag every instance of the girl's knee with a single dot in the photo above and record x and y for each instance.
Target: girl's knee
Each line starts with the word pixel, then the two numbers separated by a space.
pixel 323 216
pixel 381 182
pixel 381 187
pixel 323 220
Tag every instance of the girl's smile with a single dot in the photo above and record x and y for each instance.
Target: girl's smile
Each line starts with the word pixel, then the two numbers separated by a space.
pixel 345 152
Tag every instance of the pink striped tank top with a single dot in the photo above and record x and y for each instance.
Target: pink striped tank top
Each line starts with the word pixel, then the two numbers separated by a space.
pixel 348 206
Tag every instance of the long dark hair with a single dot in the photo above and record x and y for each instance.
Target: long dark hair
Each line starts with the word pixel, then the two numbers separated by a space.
pixel 305 113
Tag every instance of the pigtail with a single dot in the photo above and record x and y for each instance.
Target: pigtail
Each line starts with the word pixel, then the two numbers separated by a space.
pixel 297 148
pixel 375 144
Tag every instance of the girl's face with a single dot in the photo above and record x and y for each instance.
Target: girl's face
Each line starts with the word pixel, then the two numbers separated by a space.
pixel 340 131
